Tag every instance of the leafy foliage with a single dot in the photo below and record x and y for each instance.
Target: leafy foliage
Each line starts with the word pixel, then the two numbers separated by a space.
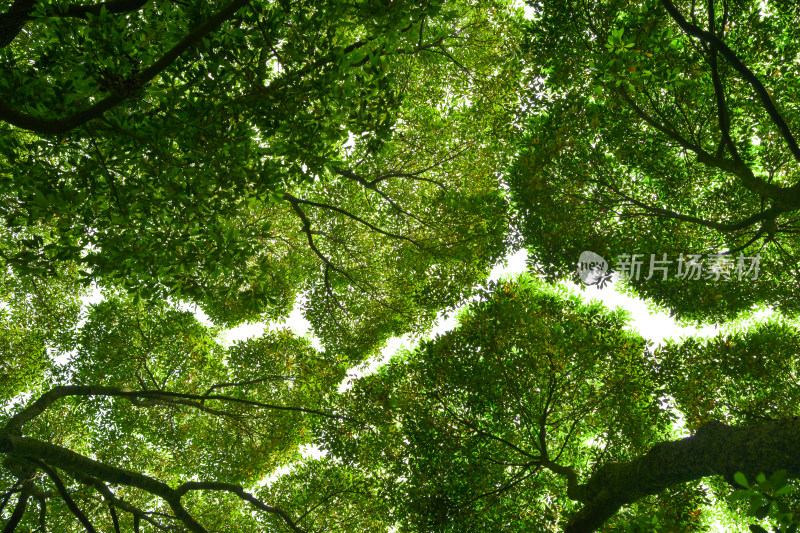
pixel 288 150
pixel 651 130
pixel 370 162
pixel 762 501
pixel 479 421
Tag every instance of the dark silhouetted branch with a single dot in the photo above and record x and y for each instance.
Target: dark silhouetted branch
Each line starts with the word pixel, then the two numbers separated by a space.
pixel 716 43
pixel 61 125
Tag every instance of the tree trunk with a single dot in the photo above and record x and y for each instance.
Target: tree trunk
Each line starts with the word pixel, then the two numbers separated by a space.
pixel 715 449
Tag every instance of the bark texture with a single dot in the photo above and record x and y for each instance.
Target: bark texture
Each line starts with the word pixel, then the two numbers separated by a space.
pixel 715 449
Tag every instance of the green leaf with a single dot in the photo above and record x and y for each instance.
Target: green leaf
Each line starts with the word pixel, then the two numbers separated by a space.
pixel 741 480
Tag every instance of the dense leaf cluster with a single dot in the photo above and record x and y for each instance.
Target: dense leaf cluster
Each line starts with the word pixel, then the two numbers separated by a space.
pixel 368 163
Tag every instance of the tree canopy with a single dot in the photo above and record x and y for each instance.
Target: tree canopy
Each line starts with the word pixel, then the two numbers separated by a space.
pixel 369 163
pixel 665 128
pixel 197 151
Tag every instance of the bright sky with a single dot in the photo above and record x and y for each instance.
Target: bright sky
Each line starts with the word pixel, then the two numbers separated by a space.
pixel 653 326
pixel 656 327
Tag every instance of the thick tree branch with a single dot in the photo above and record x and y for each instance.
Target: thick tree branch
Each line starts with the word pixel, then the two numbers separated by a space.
pixel 49 456
pixel 19 15
pixel 14 425
pixel 78 466
pixel 573 487
pixel 746 73
pixel 723 116
pixel 715 449
pixel 19 509
pixel 61 125
pixel 64 493
pixel 10 26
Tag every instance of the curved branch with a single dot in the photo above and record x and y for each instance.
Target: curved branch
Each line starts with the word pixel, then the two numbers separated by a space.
pixel 715 449
pixel 742 247
pixel 14 425
pixel 371 186
pixel 306 228
pixel 19 509
pixel 745 72
pixel 79 466
pixel 64 493
pixel 295 200
pixel 534 458
pixel 9 27
pixel 17 15
pixel 62 125
pixel 573 487
pixel 328 264
pixel 417 174
pixel 241 493
pixel 247 382
pixel 724 227
pixel 46 456
pixel 786 196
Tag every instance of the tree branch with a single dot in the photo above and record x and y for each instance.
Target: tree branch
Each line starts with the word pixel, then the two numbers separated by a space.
pixel 19 509
pixel 725 227
pixel 19 15
pixel 417 174
pixel 112 500
pixel 475 428
pixel 788 197
pixel 294 199
pixel 247 382
pixel 715 449
pixel 9 27
pixel 746 73
pixel 10 492
pixel 306 228
pixel 241 493
pixel 46 456
pixel 15 423
pixel 43 514
pixel 78 466
pixel 722 107
pixel 62 125
pixel 62 490
pixel 371 186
